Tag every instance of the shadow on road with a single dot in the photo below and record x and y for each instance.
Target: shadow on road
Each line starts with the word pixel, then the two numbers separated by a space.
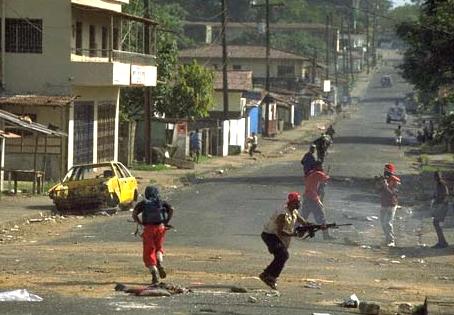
pixel 421 252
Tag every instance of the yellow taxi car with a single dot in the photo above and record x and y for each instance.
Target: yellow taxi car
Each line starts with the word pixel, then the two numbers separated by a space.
pixel 103 185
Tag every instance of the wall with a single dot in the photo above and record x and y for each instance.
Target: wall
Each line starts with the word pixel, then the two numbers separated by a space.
pixel 45 73
pixel 97 95
pixel 114 5
pixel 234 101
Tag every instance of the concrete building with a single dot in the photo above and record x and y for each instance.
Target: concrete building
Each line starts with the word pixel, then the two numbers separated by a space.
pixel 63 63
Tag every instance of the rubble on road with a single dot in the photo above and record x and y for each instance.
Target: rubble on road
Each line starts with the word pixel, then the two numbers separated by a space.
pixel 351 302
pixel 369 308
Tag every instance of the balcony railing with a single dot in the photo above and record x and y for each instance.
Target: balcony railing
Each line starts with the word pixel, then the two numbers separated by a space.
pixel 106 55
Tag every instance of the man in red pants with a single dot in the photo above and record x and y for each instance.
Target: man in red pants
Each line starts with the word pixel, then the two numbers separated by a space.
pixel 156 214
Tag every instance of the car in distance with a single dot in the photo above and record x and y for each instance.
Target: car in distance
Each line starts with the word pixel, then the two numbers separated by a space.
pixel 107 185
pixel 396 114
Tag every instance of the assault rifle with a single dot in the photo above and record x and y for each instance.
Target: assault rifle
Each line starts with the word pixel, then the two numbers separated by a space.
pixel 308 230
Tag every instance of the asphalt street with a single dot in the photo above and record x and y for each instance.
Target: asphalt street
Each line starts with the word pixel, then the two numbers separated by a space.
pixel 224 215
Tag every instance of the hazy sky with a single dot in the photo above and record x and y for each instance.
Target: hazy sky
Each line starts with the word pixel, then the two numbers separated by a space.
pixel 400 2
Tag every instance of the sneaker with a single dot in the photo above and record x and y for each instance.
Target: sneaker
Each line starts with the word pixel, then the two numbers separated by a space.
pixel 391 244
pixel 268 281
pixel 162 272
pixel 440 245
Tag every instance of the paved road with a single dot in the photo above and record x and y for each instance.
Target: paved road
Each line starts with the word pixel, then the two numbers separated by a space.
pixel 225 215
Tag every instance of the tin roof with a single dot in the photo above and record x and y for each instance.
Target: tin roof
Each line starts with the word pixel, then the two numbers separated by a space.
pixel 36 100
pixel 25 123
pixel 238 51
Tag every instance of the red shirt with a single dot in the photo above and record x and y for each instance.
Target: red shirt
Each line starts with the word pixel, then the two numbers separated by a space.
pixel 312 183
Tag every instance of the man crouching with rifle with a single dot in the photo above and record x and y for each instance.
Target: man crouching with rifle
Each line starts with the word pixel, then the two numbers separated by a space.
pixel 277 233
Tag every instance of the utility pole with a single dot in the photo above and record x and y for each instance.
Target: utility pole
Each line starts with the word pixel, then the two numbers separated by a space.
pixel 334 42
pixel 225 84
pixel 314 66
pixel 344 59
pixel 350 50
pixel 267 79
pixel 327 47
pixel 147 90
pixel 367 39
pixel 374 35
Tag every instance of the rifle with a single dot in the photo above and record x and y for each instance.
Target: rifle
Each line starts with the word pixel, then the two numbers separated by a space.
pixel 308 230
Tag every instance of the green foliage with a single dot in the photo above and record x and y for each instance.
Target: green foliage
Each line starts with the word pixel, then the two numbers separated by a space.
pixel 147 167
pixel 428 61
pixel 192 94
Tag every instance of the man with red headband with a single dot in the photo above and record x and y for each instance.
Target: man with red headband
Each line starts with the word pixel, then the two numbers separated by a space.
pixel 277 233
pixel 388 193
pixel 313 187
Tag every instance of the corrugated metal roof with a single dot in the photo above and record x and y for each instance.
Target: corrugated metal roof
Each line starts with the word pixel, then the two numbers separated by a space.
pixel 28 124
pixel 238 51
pixel 37 100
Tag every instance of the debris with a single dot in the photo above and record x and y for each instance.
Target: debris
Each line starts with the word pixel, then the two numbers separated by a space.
pixel 120 306
pixel 369 308
pixel 403 257
pixel 78 226
pixel 312 285
pixel 351 302
pixel 395 262
pixel 252 299
pixel 366 246
pixel 221 172
pixel 321 314
pixel 21 295
pixel 273 293
pixel 236 289
pixel 405 308
pixel 215 258
pixel 35 220
pixel 349 241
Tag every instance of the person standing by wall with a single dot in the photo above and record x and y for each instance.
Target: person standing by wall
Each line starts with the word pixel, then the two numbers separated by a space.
pixel 440 208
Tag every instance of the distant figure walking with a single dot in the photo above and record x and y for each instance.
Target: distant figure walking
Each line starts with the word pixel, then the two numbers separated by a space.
pixel 321 145
pixel 196 145
pixel 253 144
pixel 331 132
pixel 398 134
pixel 308 160
pixel 440 208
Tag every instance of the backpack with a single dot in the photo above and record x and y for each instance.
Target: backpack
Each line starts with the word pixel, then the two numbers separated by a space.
pixel 154 212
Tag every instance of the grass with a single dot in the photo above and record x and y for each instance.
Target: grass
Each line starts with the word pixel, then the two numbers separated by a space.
pixel 140 166
pixel 430 168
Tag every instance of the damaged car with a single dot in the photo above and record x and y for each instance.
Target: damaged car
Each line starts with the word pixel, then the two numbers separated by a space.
pixel 99 186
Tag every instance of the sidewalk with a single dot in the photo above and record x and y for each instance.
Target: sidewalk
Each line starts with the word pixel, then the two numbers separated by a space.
pixel 19 209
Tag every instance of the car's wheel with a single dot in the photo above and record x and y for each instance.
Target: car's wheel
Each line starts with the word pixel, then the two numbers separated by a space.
pixel 113 200
pixel 60 207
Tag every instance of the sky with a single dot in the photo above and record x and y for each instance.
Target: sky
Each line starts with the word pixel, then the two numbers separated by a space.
pixel 400 2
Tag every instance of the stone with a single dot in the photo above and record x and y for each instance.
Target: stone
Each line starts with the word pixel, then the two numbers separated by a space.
pixel 405 308
pixel 369 308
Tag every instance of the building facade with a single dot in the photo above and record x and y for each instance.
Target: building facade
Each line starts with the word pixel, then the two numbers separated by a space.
pixel 81 51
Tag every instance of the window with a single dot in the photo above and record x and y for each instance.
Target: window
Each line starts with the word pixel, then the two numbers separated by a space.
pixel 79 38
pixel 236 67
pixel 24 36
pixel 285 71
pixel 104 37
pixel 92 39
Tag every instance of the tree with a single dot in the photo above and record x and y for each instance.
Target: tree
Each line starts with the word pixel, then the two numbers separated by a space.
pixel 428 61
pixel 192 94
